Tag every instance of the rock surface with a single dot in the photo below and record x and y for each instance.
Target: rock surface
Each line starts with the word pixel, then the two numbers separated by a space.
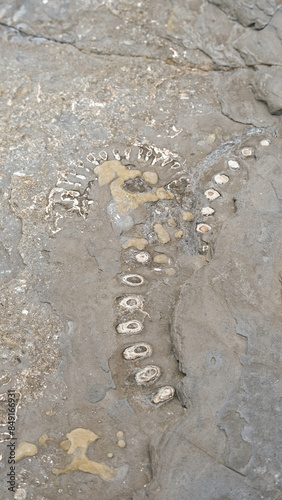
pixel 267 88
pixel 253 13
pixel 116 119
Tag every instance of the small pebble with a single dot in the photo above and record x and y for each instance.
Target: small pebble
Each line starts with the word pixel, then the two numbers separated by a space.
pixel 161 258
pixel 179 234
pixel 25 450
pixel 121 443
pixel 162 233
pixel 110 455
pixel 172 223
pixel 187 216
pixel 170 271
pixel 150 177
pixel 120 434
pixel 211 138
pixel 163 194
pixel 139 243
pixel 265 142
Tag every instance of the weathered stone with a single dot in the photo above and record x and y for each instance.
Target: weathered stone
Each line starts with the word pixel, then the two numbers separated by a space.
pixel 116 137
pixel 253 13
pixel 267 87
pixel 246 109
pixel 263 47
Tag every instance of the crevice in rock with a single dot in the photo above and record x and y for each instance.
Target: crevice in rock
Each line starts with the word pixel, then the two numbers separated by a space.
pixel 169 61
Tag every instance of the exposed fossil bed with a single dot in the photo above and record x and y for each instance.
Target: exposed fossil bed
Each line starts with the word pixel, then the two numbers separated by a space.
pixel 116 117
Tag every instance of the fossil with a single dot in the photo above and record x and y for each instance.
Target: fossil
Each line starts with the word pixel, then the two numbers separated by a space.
pixel 207 211
pixel 221 179
pixel 132 279
pixel 212 194
pixel 203 228
pixel 130 327
pixel 137 351
pixel 143 257
pixel 163 394
pixel 147 375
pixel 156 208
pixel 132 302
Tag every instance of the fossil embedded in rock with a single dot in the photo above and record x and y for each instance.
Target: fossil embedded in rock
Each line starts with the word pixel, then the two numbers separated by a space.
pixel 139 243
pixel 187 216
pixel 170 271
pixel 207 211
pixel 133 326
pixel 142 257
pixel 79 441
pixel 103 155
pixel 148 375
pixel 127 152
pixel 161 258
pixel 116 154
pixel 151 177
pixel 179 234
pixel 204 249
pixel 163 395
pixel 131 302
pixel 233 164
pixel 132 279
pixel 221 178
pixel 162 233
pixel 25 450
pixel 203 228
pixel 247 151
pixel 137 351
pixel 92 159
pixel 212 194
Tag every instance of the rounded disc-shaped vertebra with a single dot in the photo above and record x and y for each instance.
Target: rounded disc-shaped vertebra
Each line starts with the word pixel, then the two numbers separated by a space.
pixel 247 151
pixel 207 211
pixel 148 375
pixel 133 279
pixel 163 395
pixel 203 228
pixel 221 179
pixel 137 351
pixel 133 326
pixel 211 194
pixel 233 164
pixel 131 302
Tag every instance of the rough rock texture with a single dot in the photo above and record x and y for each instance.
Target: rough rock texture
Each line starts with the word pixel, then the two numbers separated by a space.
pixel 247 109
pixel 253 13
pixel 116 117
pixel 267 88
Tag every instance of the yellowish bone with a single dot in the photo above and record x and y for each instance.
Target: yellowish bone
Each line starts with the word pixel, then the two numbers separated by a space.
pixel 114 173
pixel 79 440
pixel 25 450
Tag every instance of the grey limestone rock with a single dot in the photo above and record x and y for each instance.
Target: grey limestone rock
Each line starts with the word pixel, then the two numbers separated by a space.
pixel 253 13
pixel 267 87
pixel 185 92
pixel 262 47
pixel 219 306
pixel 245 109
